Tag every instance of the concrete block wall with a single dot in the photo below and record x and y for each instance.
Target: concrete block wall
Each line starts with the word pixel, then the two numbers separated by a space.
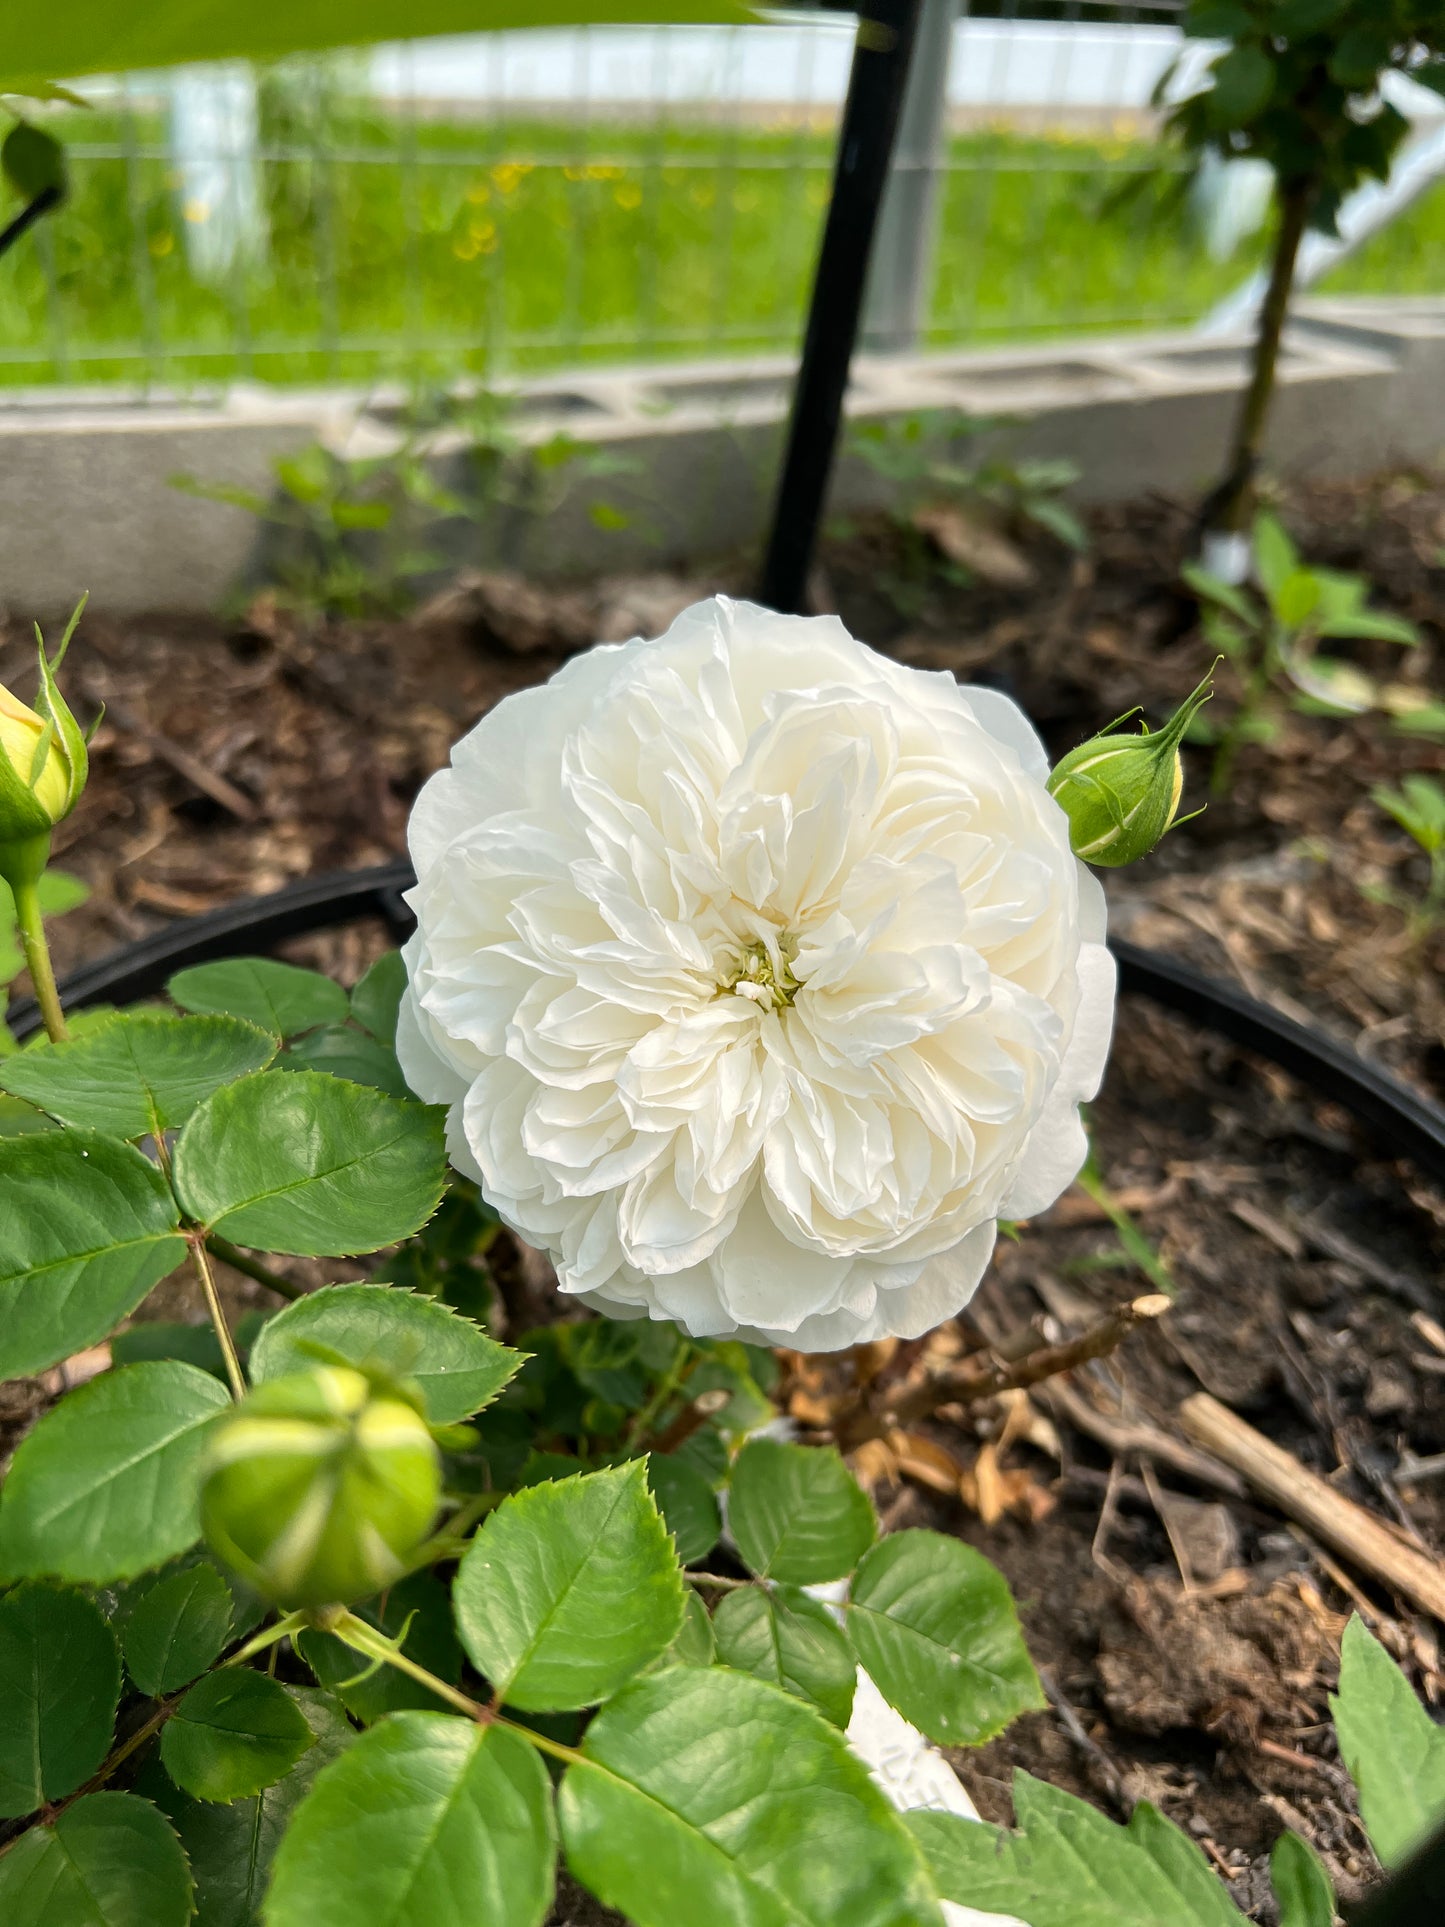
pixel 86 495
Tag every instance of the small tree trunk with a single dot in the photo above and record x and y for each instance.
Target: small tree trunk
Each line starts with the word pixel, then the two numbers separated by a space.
pixel 1228 506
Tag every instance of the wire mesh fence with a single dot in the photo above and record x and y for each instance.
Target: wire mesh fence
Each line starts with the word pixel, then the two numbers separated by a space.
pixel 514 202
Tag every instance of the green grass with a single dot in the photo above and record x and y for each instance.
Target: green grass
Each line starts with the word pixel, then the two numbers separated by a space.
pixel 425 250
pixel 1407 257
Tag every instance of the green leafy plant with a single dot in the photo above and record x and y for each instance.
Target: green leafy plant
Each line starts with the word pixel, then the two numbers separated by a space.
pixel 1418 806
pixel 511 473
pixel 402 1723
pixel 921 456
pixel 1394 1751
pixel 1297 86
pixel 347 526
pixel 355 1614
pixel 345 545
pixel 1066 1865
pixel 1270 633
pixel 297 1621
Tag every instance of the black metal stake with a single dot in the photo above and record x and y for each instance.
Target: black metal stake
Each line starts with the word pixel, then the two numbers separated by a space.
pixel 47 198
pixel 886 33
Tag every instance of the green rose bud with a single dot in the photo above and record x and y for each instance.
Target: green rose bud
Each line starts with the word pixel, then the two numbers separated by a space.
pixel 1121 792
pixel 43 767
pixel 320 1486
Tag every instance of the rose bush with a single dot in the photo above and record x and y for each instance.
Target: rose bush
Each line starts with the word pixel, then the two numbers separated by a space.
pixel 296 1615
pixel 759 978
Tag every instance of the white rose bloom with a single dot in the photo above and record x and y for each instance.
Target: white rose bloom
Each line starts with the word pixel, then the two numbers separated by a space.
pixel 759 978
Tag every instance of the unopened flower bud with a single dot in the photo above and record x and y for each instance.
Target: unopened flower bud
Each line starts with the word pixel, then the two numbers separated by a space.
pixel 320 1486
pixel 43 767
pixel 1121 791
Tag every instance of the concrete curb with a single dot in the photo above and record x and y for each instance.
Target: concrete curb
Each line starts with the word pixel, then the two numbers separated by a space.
pixel 85 475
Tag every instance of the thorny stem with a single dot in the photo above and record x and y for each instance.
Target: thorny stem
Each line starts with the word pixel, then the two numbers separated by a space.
pixel 453 1536
pixel 152 1724
pixel 646 1416
pixel 703 1579
pixel 364 1639
pixel 543 1744
pixel 691 1419
pixel 250 1267
pixel 196 1241
pixel 268 1636
pixel 37 959
pixel 156 1719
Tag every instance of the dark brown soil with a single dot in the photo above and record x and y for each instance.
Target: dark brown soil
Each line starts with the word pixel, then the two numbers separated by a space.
pixel 1189 1637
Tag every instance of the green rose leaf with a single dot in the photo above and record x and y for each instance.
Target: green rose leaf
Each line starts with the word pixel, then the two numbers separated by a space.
pixel 22 1120
pixel 569 1589
pixel 231 1848
pixel 688 1505
pixel 426 1818
pixel 797 1513
pixel 1394 1750
pixel 277 996
pixel 783 1636
pixel 458 1368
pixel 90 1226
pixel 1299 17
pixel 1068 1866
pixel 33 161
pixel 376 999
pixel 1216 19
pixel 175 1628
pixel 1243 82
pixel 418 1606
pixel 234 1733
pixel 107 1483
pixel 108 1861
pixel 1301 1885
pixel 299 1162
pixel 340 1050
pixel 710 1796
pixel 142 1074
pixel 59 1688
pixel 694 1644
pixel 1361 52
pixel 934 1624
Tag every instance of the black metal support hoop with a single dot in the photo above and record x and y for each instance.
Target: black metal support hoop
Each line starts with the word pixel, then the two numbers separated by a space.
pixel 1407 1123
pixel 884 48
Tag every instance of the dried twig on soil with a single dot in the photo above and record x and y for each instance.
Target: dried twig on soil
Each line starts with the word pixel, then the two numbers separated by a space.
pixel 1304 1496
pixel 181 760
pixel 1123 1436
pixel 1334 1243
pixel 1069 1719
pixel 1410 1470
pixel 976 1378
pixel 991 1372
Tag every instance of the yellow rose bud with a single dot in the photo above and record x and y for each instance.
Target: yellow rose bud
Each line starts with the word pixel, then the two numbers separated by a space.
pixel 319 1487
pixel 22 734
pixel 43 767
pixel 1121 792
